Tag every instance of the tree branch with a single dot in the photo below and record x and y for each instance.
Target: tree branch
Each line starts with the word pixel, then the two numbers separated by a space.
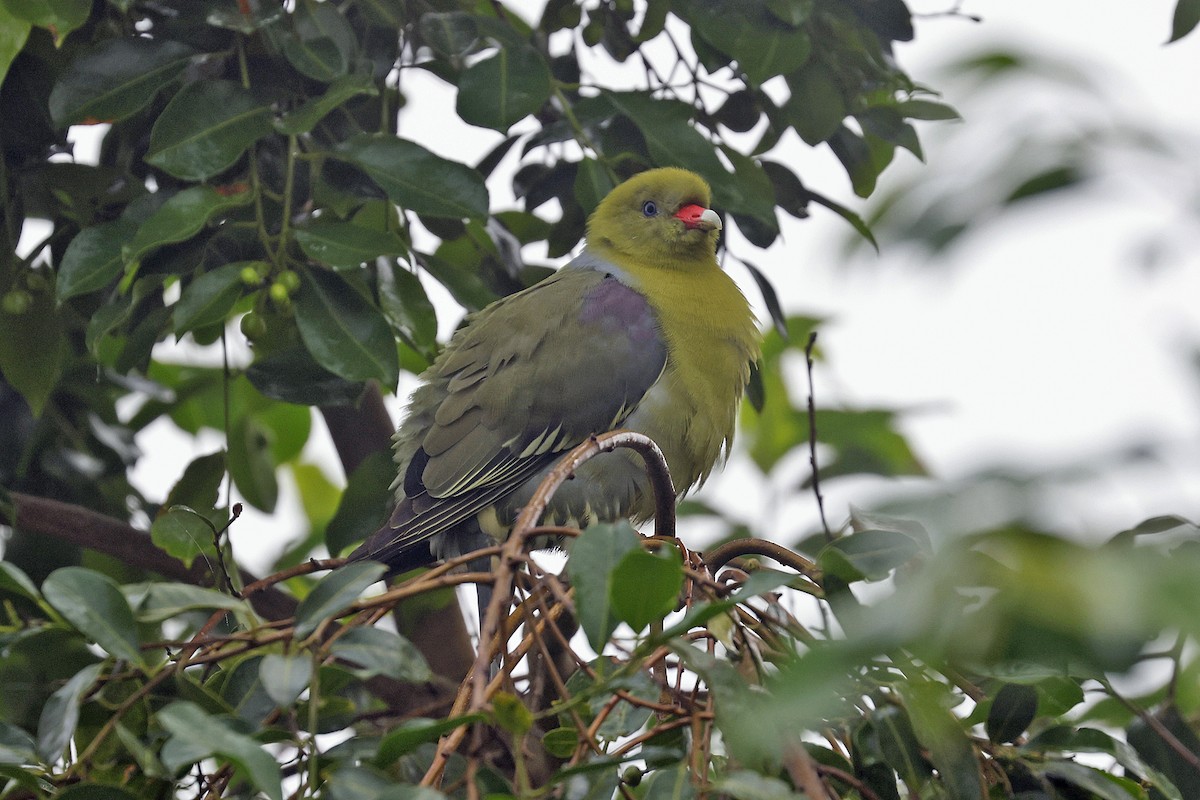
pixel 104 534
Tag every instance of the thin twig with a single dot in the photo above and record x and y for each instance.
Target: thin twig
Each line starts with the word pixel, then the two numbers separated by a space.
pixel 812 435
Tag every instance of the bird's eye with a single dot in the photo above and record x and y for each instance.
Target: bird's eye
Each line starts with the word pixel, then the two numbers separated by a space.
pixel 649 208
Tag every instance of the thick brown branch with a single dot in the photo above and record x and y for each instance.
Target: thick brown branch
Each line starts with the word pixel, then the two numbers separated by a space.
pixel 86 528
pixel 359 431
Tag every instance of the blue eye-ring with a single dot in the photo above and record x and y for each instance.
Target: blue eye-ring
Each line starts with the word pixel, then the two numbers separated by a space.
pixel 649 209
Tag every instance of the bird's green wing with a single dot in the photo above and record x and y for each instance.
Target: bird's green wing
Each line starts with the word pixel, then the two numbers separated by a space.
pixel 528 378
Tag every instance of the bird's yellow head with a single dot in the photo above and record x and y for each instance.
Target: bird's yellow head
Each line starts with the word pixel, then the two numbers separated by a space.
pixel 660 217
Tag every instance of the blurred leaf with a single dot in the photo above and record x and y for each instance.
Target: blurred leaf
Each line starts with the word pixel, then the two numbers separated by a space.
pixel 95 607
pixel 284 677
pixel 380 652
pixel 408 307
pixel 303 119
pixel 38 329
pixel 116 78
pixel 816 107
pixel 503 89
pixel 14 32
pixel 60 17
pixel 942 735
pixel 345 332
pixel 1179 768
pixel 184 533
pixel 1099 784
pixel 324 43
pixel 867 555
pixel 450 33
pixel 645 586
pixel 346 245
pixel 292 375
pixel 594 556
pixel 93 259
pixel 852 151
pixel 417 179
pixel 251 464
pixel 762 44
pixel 208 735
pixel 1185 19
pixel 161 601
pixel 178 219
pixel 411 733
pixel 205 128
pixel 60 715
pixel 334 593
pixel 209 299
pixel 1051 180
pixel 674 783
pixel 365 504
pixel 1013 708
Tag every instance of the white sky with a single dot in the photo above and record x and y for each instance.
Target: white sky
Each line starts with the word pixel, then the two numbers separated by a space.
pixel 1042 344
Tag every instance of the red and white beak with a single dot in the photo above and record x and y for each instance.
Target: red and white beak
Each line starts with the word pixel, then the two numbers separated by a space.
pixel 697 216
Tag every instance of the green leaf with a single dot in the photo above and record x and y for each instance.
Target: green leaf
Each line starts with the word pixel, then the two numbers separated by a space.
pixel 95 607
pixel 184 533
pixel 39 330
pixel 14 32
pixel 1013 708
pixel 747 785
pixel 284 677
pixel 505 88
pixel 415 178
pixel 1098 784
pixel 852 151
pixel 207 300
pixel 178 219
pixel 60 714
pixel 16 746
pixel 816 107
pixel 60 17
pixel 303 119
pixel 115 79
pixel 345 332
pixel 594 556
pixel 15 581
pixel 762 44
pixel 408 307
pixel 942 735
pixel 157 601
pixel 206 128
pixel 898 744
pixel 324 44
pixel 868 555
pixel 1185 19
pixel 94 791
pixel 671 136
pixel 926 110
pixel 510 714
pixel 561 742
pixel 645 586
pixel 670 784
pixel 207 735
pixel 346 245
pixel 93 259
pixel 412 733
pixel 450 33
pixel 333 593
pixel 592 184
pixel 1154 749
pixel 293 376
pixel 250 463
pixel 380 652
pixel 365 504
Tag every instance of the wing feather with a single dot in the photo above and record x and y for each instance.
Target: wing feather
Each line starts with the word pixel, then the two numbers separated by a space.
pixel 528 378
